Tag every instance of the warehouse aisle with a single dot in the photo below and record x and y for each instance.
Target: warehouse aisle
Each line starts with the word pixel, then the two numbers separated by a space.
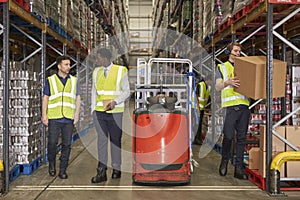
pixel 205 183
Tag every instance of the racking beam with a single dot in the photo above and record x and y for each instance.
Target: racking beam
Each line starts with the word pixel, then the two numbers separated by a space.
pixel 256 12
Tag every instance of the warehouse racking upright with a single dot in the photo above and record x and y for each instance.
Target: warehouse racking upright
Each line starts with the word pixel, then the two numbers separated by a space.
pixel 252 23
pixel 34 33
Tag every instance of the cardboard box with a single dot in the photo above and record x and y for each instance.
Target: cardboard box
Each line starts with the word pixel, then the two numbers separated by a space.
pixel 277 144
pixel 262 170
pixel 251 71
pixel 254 158
pixel 293 136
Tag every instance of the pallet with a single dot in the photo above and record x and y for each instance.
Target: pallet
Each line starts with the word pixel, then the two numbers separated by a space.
pixel 31 167
pixel 14 173
pixel 256 178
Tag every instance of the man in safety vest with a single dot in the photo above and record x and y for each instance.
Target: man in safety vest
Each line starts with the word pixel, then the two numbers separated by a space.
pixel 110 89
pixel 237 113
pixel 202 94
pixel 60 111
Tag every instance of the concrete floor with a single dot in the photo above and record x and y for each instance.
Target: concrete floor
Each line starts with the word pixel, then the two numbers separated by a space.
pixel 205 182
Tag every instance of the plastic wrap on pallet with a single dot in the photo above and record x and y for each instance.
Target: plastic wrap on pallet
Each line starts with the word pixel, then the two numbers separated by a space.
pixel 197 23
pixel 209 24
pixel 37 8
pixel 226 10
pixel 239 4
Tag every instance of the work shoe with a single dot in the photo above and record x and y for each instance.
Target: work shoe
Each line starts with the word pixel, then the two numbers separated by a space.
pixel 223 167
pixel 240 173
pixel 100 176
pixel 63 175
pixel 116 174
pixel 52 171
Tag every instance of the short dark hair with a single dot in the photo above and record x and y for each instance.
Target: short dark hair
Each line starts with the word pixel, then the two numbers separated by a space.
pixel 105 53
pixel 59 59
pixel 232 44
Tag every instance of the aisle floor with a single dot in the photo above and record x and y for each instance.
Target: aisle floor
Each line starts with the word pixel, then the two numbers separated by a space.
pixel 205 182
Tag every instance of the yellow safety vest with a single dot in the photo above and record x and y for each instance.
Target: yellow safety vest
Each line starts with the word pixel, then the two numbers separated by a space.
pixel 203 95
pixel 228 95
pixel 110 87
pixel 62 98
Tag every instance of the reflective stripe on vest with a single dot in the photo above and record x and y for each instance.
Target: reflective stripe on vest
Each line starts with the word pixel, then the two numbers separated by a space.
pixel 228 95
pixel 108 88
pixel 204 95
pixel 62 98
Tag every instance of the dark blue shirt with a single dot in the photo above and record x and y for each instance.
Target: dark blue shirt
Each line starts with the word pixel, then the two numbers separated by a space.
pixel 63 81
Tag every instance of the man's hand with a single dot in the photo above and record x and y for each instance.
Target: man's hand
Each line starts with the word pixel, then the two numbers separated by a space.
pixel 234 82
pixel 45 120
pixel 110 106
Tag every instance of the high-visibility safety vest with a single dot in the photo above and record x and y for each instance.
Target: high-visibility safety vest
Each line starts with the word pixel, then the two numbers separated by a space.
pixel 203 94
pixel 228 95
pixel 62 98
pixel 109 87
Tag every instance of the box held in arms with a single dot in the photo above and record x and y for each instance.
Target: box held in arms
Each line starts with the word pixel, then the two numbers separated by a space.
pixel 251 71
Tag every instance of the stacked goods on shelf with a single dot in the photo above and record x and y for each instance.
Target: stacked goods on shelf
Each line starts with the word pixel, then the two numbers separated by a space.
pixel 37 8
pixel 76 20
pixel 186 14
pixel 93 30
pixel 295 87
pixel 293 135
pixel 12 157
pixel 208 16
pixel 83 8
pixel 278 146
pixel 197 22
pixel 52 10
pixel 239 4
pixel 24 115
pixel 224 10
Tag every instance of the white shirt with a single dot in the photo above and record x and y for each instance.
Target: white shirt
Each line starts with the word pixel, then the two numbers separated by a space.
pixel 125 90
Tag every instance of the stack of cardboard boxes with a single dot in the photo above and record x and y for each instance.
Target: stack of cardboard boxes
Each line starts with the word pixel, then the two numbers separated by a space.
pixel 257 155
pixel 252 72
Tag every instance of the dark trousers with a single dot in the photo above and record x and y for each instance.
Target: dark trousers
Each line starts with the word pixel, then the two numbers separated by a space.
pixel 109 125
pixel 236 123
pixel 199 131
pixel 66 130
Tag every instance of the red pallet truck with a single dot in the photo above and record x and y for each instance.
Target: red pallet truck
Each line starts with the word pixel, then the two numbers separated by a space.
pixel 161 129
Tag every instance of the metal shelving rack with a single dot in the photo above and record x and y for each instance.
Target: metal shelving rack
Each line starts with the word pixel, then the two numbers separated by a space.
pixel 260 18
pixel 254 26
pixel 38 38
pixel 20 25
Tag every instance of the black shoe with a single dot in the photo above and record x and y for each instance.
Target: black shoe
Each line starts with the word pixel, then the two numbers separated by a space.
pixel 240 173
pixel 197 141
pixel 52 171
pixel 100 176
pixel 223 167
pixel 63 175
pixel 116 174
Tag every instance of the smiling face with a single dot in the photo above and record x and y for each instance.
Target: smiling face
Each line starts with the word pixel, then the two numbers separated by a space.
pixel 235 52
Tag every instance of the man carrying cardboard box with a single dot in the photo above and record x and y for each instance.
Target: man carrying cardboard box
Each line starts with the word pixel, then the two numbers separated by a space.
pixel 237 113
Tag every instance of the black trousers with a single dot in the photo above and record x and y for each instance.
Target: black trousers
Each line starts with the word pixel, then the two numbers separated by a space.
pixel 109 125
pixel 199 131
pixel 235 124
pixel 66 131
